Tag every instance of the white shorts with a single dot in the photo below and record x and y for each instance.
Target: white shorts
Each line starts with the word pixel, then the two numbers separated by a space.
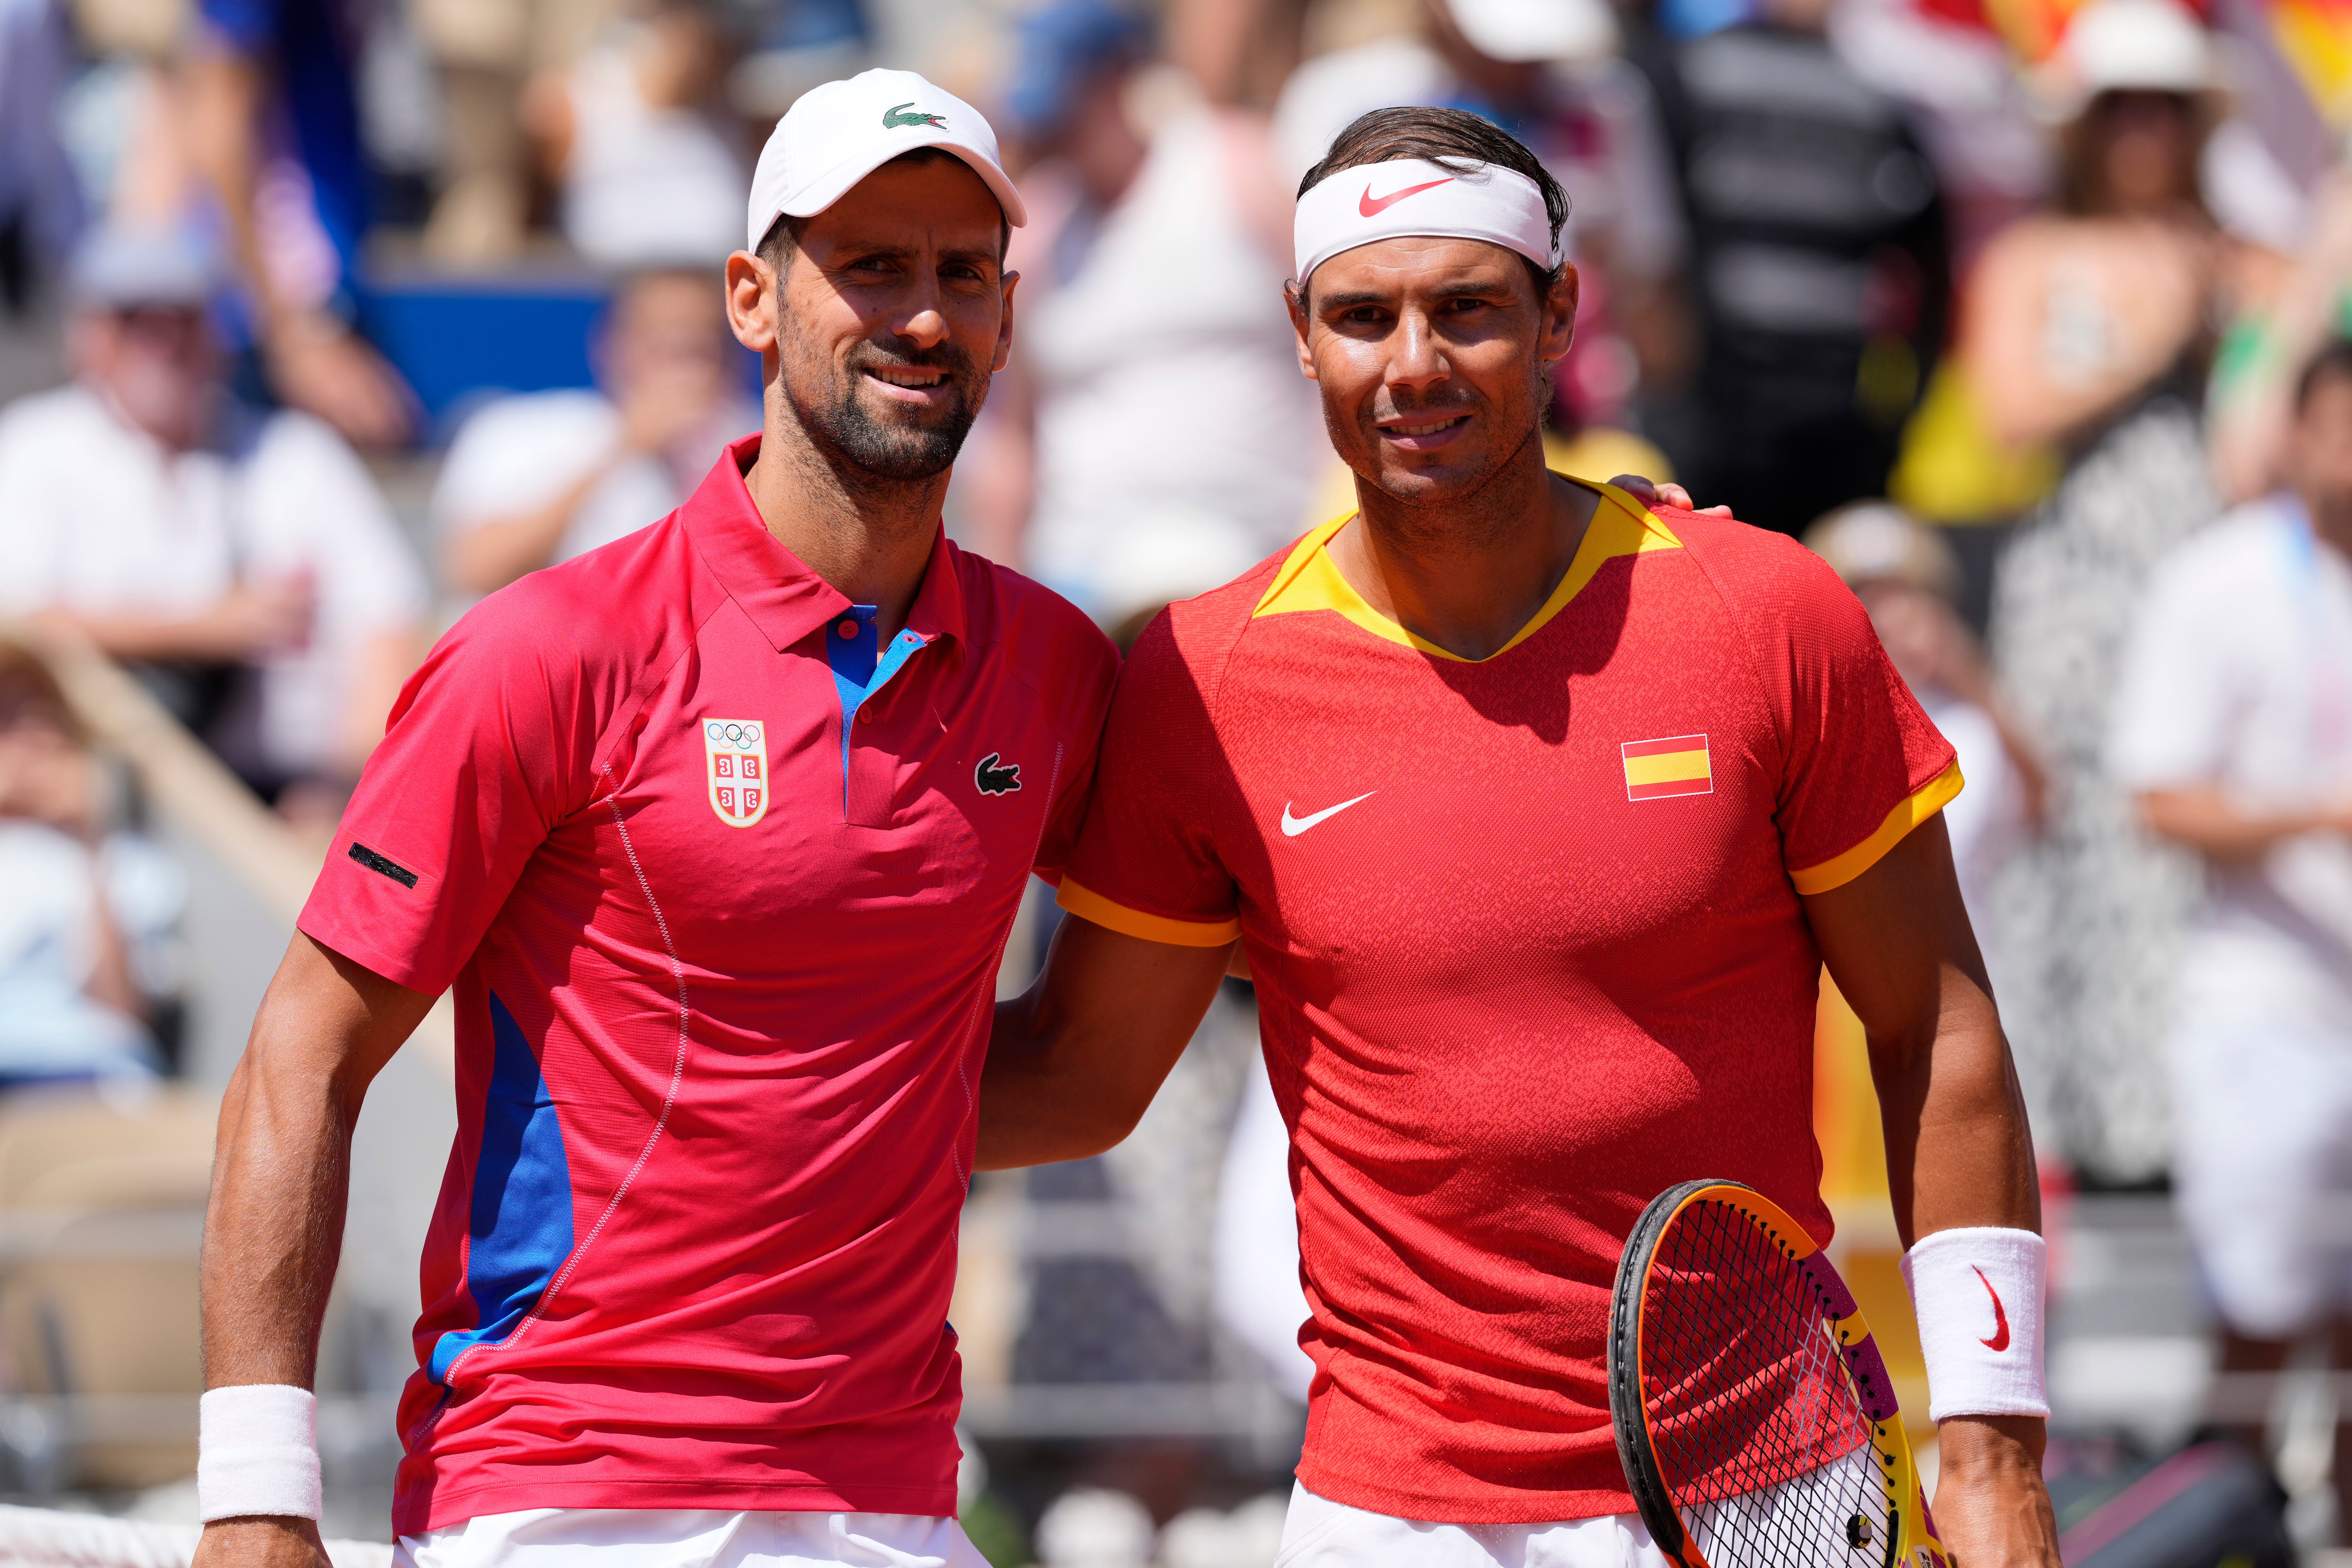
pixel 1320 1533
pixel 689 1538
pixel 2262 1166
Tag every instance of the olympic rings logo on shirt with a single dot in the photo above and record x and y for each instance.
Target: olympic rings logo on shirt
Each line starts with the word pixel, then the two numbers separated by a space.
pixel 726 732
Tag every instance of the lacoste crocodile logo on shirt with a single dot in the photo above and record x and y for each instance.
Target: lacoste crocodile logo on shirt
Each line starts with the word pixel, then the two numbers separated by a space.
pixel 894 118
pixel 996 776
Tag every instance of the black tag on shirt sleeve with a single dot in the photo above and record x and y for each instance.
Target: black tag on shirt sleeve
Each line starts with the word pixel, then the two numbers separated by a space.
pixel 375 862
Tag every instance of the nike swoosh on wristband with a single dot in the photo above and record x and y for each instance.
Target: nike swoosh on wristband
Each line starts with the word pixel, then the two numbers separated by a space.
pixel 1374 206
pixel 1292 826
pixel 2000 1340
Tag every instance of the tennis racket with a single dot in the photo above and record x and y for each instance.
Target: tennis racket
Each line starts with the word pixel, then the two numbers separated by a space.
pixel 1754 1414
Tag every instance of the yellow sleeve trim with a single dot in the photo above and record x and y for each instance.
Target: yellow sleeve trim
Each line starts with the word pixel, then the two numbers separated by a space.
pixel 1909 813
pixel 1087 904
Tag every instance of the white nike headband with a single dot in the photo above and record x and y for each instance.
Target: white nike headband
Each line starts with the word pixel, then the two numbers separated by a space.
pixel 1413 196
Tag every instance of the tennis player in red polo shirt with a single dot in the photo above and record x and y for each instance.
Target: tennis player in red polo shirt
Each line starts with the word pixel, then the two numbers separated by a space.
pixel 716 835
pixel 1535 811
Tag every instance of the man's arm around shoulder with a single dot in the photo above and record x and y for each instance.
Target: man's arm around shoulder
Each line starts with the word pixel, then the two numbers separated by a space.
pixel 282 1174
pixel 1074 1061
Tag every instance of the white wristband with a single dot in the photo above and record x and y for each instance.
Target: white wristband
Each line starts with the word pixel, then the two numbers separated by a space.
pixel 1978 1294
pixel 257 1452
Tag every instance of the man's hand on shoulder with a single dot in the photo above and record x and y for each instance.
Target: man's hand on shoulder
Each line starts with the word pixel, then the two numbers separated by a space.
pixel 261 1541
pixel 1990 1506
pixel 1668 494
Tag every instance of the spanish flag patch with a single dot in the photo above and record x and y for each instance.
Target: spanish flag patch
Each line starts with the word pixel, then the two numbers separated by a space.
pixel 1675 765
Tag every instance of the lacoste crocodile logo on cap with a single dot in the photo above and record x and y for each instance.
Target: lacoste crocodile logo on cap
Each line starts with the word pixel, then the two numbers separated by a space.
pixel 894 118
pixel 994 775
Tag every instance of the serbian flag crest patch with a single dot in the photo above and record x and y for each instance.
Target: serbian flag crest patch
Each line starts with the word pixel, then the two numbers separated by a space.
pixel 735 752
pixel 1677 764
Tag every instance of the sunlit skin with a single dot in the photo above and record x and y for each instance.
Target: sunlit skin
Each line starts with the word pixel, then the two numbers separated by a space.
pixel 1431 354
pixel 890 314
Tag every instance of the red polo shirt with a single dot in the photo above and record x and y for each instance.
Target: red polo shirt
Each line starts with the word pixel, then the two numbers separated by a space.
pixel 723 975
pixel 1530 947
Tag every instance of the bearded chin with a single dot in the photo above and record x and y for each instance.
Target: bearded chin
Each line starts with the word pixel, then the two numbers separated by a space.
pixel 885 448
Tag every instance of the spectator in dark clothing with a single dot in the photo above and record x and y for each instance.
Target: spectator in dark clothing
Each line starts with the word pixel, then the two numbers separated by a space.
pixel 1819 269
pixel 273 109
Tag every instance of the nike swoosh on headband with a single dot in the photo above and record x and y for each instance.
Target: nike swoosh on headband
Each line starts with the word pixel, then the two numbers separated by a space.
pixel 1373 206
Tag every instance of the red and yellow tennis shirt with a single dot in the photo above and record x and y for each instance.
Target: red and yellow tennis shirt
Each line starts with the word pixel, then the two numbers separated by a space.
pixel 1529 950
pixel 722 905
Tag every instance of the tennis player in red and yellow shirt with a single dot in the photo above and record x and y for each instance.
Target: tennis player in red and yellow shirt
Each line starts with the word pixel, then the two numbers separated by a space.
pixel 1534 813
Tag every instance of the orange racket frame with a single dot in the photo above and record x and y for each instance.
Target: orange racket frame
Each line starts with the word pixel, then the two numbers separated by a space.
pixel 1912 1542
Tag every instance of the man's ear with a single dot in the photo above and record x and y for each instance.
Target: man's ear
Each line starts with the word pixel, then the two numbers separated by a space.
pixel 753 286
pixel 1004 324
pixel 1294 298
pixel 1560 313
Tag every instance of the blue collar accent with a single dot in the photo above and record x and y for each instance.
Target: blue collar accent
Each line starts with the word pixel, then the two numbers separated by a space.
pixel 861 668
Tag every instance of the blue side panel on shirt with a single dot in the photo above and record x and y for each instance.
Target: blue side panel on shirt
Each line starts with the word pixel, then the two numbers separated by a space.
pixel 520 1225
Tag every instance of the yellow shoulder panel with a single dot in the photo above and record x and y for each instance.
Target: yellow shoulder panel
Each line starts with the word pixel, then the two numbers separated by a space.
pixel 1310 580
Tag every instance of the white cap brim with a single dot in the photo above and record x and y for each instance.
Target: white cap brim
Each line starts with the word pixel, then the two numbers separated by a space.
pixel 838 134
pixel 1528 31
pixel 822 190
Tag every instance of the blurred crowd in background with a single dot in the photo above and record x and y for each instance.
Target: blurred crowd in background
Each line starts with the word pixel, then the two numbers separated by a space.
pixel 321 319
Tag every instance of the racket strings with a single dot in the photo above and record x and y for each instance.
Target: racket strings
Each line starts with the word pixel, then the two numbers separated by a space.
pixel 1751 1406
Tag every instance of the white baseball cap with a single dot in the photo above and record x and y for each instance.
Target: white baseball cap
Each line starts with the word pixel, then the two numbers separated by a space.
pixel 1530 30
pixel 838 134
pixel 2123 46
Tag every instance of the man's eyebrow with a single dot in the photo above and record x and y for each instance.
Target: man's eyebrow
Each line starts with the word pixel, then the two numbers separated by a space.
pixel 1454 284
pixel 850 249
pixel 853 249
pixel 1496 282
pixel 978 253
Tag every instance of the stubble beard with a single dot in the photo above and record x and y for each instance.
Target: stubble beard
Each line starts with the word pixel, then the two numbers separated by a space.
pixel 838 421
pixel 1462 512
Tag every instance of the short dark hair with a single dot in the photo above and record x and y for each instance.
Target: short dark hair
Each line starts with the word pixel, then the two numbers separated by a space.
pixel 2334 359
pixel 1458 139
pixel 783 236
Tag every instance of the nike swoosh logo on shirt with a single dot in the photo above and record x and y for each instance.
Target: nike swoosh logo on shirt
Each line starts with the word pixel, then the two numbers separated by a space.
pixel 1374 206
pixel 1292 826
pixel 2000 1340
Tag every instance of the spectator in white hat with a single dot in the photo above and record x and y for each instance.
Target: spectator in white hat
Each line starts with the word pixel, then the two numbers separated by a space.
pixel 2087 327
